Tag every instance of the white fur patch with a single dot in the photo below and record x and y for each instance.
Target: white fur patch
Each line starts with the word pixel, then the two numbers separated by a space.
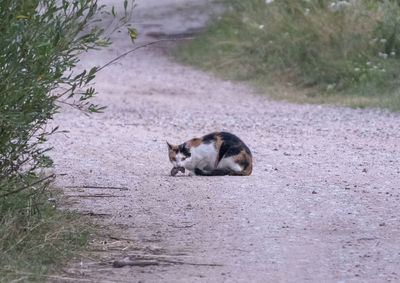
pixel 229 163
pixel 179 162
pixel 203 156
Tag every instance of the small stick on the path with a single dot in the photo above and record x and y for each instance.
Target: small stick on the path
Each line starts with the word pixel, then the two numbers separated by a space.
pixel 96 214
pixel 182 227
pixel 189 263
pixel 98 187
pixel 121 239
pixel 130 262
pixel 106 188
pixel 95 196
pixel 142 262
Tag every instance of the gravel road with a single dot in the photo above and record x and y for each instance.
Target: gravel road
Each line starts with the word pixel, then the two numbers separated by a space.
pixel 322 204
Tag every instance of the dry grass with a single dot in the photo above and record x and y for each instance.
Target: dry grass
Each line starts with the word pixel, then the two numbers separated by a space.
pixel 36 239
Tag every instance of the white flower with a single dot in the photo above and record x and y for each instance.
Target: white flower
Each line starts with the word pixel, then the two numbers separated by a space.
pixel 307 11
pixel 357 69
pixel 261 26
pixel 384 55
pixel 268 1
pixel 339 5
pixel 383 40
pixel 343 3
pixel 369 63
pixel 393 53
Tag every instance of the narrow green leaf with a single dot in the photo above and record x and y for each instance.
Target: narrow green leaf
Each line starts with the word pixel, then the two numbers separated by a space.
pixel 133 34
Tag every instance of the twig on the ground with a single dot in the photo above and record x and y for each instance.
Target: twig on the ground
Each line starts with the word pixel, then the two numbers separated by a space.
pixel 96 196
pixel 155 261
pixel 98 187
pixel 121 239
pixel 134 262
pixel 189 263
pixel 181 227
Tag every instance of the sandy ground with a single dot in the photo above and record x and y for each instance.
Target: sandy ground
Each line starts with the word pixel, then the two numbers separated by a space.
pixel 322 204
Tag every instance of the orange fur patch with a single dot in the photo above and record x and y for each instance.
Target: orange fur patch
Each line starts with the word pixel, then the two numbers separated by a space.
pixel 195 142
pixel 172 152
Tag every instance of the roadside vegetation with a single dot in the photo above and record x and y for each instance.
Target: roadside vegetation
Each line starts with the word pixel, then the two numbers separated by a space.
pixel 36 238
pixel 315 51
pixel 40 46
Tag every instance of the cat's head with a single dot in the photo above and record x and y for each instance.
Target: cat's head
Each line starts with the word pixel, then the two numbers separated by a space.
pixel 178 154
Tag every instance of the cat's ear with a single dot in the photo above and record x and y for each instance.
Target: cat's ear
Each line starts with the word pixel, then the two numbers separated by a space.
pixel 169 146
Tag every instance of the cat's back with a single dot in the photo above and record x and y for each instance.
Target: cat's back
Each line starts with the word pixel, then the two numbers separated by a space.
pixel 225 140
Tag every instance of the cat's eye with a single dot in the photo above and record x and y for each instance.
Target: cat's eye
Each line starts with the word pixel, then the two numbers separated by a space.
pixel 173 159
pixel 183 158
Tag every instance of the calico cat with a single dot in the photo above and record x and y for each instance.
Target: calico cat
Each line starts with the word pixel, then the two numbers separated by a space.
pixel 216 154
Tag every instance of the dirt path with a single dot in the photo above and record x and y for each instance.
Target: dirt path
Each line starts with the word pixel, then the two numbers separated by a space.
pixel 322 204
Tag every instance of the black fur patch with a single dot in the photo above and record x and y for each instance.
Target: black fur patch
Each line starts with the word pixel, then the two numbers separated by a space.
pixel 199 172
pixel 229 138
pixel 224 148
pixel 209 138
pixel 182 148
pixel 231 145
pixel 215 172
pixel 244 163
pixel 234 150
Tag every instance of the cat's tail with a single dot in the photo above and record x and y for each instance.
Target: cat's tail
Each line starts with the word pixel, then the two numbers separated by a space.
pixel 215 172
pixel 224 172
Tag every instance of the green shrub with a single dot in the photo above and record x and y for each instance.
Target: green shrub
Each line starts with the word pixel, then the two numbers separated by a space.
pixel 40 42
pixel 330 46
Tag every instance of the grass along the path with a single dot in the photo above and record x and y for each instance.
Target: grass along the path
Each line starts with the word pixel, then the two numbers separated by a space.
pixel 36 239
pixel 344 53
